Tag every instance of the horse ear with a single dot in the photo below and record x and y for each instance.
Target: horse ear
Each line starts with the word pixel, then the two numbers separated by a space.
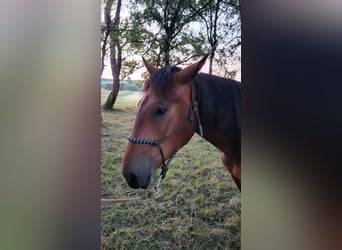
pixel 150 69
pixel 191 71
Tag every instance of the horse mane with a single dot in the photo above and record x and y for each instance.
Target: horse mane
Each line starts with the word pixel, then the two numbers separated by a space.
pixel 219 102
pixel 161 81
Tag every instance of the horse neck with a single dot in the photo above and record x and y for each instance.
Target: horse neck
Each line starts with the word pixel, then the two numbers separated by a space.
pixel 219 110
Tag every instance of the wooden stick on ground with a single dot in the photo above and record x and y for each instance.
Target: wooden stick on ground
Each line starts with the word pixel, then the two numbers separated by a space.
pixel 122 200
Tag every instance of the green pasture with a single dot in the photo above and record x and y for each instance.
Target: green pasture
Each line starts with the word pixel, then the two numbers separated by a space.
pixel 198 206
pixel 125 97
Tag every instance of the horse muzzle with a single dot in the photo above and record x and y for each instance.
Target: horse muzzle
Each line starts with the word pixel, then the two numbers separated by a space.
pixel 138 173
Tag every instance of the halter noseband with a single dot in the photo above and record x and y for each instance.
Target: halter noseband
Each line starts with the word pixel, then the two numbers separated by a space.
pixel 193 108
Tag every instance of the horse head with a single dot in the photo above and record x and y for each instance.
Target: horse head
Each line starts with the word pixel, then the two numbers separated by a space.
pixel 164 121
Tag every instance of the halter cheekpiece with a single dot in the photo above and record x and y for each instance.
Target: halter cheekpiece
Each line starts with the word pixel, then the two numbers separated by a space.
pixel 192 110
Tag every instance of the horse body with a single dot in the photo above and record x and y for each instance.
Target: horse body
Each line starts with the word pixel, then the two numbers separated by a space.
pixel 175 104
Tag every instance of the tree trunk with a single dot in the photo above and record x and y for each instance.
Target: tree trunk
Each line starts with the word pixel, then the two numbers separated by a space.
pixel 166 52
pixel 211 59
pixel 115 59
pixel 107 22
pixel 111 99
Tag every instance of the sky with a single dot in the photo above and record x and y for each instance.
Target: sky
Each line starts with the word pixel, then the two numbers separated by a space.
pixel 107 73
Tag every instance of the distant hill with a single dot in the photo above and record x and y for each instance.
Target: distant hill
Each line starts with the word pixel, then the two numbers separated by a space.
pixel 132 85
pixel 106 81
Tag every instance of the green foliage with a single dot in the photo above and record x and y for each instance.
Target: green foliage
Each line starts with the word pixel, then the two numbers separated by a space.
pixel 179 32
pixel 198 206
pixel 168 37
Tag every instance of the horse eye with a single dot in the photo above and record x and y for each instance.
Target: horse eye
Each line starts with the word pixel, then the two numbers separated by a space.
pixel 161 111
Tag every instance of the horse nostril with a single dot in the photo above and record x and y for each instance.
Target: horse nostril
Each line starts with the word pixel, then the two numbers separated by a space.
pixel 132 180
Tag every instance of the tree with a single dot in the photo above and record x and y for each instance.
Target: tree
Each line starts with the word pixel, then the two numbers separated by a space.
pixel 222 24
pixel 169 37
pixel 105 31
pixel 178 31
pixel 115 50
pixel 169 32
pixel 121 36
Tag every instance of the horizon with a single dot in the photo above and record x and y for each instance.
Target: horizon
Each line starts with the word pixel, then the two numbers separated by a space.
pixel 136 76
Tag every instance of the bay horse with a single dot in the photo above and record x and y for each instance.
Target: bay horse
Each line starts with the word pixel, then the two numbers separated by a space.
pixel 177 103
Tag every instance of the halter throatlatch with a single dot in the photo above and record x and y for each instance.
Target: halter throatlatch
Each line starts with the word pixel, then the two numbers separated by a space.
pixel 165 167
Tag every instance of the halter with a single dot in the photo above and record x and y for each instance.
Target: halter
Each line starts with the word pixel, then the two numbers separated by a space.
pixel 165 167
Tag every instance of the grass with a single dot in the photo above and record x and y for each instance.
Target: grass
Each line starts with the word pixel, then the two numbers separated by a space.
pixel 198 206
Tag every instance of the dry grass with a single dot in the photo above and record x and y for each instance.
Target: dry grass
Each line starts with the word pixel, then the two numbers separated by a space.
pixel 198 206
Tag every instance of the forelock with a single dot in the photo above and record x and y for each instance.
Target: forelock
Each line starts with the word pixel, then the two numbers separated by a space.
pixel 161 82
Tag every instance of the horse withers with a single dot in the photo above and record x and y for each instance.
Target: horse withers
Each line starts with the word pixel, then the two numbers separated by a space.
pixel 177 103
